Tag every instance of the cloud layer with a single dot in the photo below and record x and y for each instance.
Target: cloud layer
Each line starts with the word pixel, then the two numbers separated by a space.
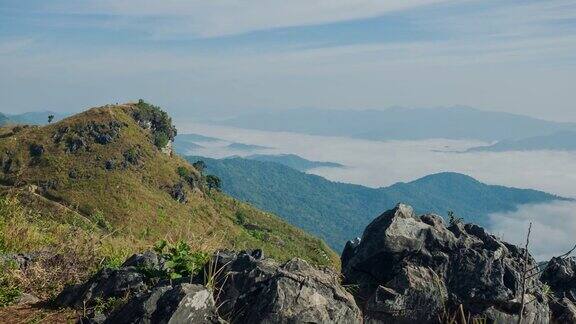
pixel 377 164
pixel 553 228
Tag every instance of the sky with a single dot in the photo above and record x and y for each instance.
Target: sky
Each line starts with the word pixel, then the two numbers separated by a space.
pixel 224 57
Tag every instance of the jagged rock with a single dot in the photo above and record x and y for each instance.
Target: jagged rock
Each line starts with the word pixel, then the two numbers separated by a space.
pixel 75 144
pixel 36 150
pixel 73 174
pixel 560 275
pixel 103 139
pixel 148 260
pixel 178 193
pixel 106 284
pixel 182 303
pixel 259 290
pixel 412 269
pixel 109 165
pixel 27 299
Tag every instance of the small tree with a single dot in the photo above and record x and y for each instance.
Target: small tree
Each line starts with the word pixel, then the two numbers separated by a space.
pixel 213 182
pixel 199 165
pixel 50 118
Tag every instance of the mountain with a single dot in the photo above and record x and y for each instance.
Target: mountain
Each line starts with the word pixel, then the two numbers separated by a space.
pixel 4 120
pixel 186 147
pixel 559 141
pixel 293 161
pixel 401 123
pixel 36 117
pixel 338 211
pixel 246 147
pixel 196 138
pixel 103 184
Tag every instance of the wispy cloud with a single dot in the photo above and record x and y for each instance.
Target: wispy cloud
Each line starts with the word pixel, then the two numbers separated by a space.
pixel 229 17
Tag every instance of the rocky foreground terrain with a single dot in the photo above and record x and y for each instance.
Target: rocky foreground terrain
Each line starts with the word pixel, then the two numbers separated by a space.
pixel 405 269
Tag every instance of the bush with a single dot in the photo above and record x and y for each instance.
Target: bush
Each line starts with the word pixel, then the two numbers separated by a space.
pixel 183 172
pixel 213 182
pixel 180 260
pixel 240 217
pixel 199 165
pixel 9 290
pixel 161 140
pixel 158 120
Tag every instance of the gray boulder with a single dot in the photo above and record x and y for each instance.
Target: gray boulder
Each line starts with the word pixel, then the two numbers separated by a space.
pixel 415 269
pixel 181 303
pixel 106 284
pixel 253 289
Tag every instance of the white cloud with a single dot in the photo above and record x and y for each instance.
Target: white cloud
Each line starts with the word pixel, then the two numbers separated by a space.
pixel 553 227
pixel 375 163
pixel 208 18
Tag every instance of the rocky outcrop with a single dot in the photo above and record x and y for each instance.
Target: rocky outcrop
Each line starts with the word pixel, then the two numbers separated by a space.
pixel 245 288
pixel 130 279
pixel 412 269
pixel 560 275
pixel 253 289
pixel 179 303
pixel 404 269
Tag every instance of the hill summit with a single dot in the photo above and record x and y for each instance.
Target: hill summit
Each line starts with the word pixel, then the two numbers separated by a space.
pixel 108 176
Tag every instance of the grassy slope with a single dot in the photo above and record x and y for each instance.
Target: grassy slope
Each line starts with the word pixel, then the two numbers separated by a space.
pixel 130 208
pixel 338 212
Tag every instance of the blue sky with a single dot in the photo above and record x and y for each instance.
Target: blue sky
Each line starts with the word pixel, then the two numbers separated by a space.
pixel 222 57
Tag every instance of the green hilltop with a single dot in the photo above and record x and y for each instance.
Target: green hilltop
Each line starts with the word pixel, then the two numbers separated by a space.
pixel 108 176
pixel 337 212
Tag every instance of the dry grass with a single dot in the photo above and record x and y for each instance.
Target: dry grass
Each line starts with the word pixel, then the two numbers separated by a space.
pixel 132 204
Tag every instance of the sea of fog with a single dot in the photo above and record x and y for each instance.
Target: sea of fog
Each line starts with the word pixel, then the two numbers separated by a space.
pixel 382 163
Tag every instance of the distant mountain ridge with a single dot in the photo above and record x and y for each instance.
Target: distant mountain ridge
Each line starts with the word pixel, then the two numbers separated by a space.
pixel 337 211
pixel 559 141
pixel 36 117
pixel 402 123
pixel 293 161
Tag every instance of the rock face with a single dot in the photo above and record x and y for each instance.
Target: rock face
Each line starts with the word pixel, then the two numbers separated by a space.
pixel 259 290
pixel 181 303
pixel 411 269
pixel 246 288
pixel 560 275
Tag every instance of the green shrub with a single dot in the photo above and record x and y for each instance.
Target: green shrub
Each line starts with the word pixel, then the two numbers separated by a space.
pixel 183 172
pixel 161 140
pixel 101 221
pixel 180 260
pixel 213 182
pixel 240 217
pixel 159 121
pixel 9 290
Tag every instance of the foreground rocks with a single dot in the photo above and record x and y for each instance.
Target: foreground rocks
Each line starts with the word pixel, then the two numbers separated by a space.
pixel 245 288
pixel 560 275
pixel 416 269
pixel 259 290
pixel 405 269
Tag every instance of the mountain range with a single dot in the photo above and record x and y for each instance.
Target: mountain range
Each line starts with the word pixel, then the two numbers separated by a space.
pixel 293 161
pixel 401 123
pixel 559 141
pixel 337 212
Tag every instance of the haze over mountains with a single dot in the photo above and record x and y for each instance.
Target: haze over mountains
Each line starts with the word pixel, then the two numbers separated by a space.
pixel 337 212
pixel 401 123
pixel 293 161
pixel 560 141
